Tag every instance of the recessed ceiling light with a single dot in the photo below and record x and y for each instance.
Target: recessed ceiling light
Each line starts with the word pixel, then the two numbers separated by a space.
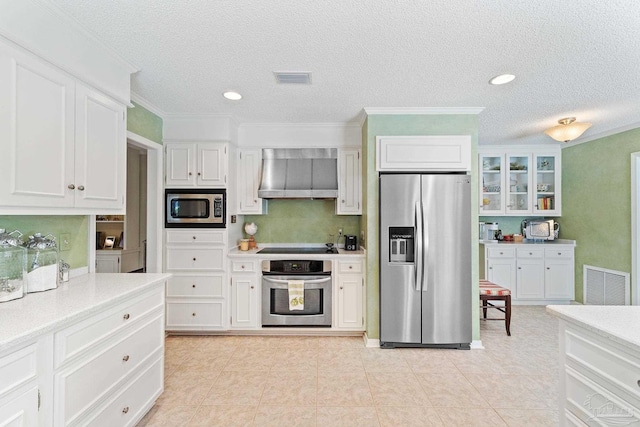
pixel 234 96
pixel 502 79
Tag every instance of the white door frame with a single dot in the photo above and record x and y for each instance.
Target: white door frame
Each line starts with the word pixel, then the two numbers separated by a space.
pixel 154 205
pixel 635 223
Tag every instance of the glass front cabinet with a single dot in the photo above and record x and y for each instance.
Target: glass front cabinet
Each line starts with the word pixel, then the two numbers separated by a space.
pixel 519 182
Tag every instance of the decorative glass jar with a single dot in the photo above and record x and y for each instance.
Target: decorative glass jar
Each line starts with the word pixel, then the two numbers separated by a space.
pixel 42 263
pixel 13 266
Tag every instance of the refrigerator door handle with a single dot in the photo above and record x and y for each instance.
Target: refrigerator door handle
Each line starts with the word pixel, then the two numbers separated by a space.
pixel 425 251
pixel 418 246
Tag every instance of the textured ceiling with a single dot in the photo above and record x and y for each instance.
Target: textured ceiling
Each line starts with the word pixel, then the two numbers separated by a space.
pixel 571 58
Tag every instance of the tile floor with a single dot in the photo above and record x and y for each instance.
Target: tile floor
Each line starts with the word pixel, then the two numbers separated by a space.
pixel 336 381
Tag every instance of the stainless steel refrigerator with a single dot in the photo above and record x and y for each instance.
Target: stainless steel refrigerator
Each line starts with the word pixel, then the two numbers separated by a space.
pixel 425 260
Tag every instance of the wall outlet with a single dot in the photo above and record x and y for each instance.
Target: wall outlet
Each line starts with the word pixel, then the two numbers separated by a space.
pixel 234 219
pixel 339 232
pixel 65 241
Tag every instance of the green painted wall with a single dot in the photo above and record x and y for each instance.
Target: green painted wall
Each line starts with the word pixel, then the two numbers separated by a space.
pixel 377 125
pixel 140 121
pixel 74 225
pixel 144 123
pixel 302 221
pixel 596 202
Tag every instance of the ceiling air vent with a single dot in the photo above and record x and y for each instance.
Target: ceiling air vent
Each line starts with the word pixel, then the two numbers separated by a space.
pixel 293 77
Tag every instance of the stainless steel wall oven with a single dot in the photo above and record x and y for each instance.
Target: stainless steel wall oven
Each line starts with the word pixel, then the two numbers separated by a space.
pixel 276 278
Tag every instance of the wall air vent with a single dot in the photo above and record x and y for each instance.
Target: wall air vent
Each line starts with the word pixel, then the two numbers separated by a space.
pixel 293 77
pixel 605 287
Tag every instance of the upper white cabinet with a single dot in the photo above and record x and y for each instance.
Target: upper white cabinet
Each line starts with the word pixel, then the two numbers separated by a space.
pixel 202 164
pixel 64 142
pixel 424 153
pixel 349 182
pixel 520 181
pixel 248 181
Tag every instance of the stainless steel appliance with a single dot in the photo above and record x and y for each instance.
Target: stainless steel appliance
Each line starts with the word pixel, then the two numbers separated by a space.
pixel 195 208
pixel 276 276
pixel 350 243
pixel 540 229
pixel 425 260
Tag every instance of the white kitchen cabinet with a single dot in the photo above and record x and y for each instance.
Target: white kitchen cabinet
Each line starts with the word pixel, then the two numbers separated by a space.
pixel 196 297
pixel 423 153
pixel 349 295
pixel 530 273
pixel 518 181
pixel 535 273
pixel 248 181
pixel 245 294
pixel 64 142
pixel 202 164
pixel 116 260
pixel 349 182
pixel 19 397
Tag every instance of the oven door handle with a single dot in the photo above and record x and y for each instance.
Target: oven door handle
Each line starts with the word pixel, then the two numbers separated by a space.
pixel 324 279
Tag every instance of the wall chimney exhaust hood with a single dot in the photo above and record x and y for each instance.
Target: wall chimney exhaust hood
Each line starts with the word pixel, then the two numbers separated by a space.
pixel 299 173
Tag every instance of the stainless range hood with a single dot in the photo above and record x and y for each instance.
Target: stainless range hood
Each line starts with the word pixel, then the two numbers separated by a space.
pixel 299 173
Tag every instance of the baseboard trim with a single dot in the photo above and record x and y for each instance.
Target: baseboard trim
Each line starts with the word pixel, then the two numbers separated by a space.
pixel 371 342
pixel 477 345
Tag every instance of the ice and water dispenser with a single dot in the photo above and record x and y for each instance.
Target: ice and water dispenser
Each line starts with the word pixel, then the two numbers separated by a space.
pixel 401 244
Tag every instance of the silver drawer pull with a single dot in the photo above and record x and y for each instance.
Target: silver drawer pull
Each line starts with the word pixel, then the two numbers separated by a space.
pixel 125 358
pixel 126 316
pixel 125 409
pixel 194 237
pixel 194 258
pixel 559 253
pixel 530 253
pixel 350 267
pixel 193 314
pixel 638 383
pixel 252 287
pixel 193 286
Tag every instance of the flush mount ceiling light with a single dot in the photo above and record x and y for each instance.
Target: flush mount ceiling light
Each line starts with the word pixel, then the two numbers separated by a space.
pixel 502 79
pixel 234 96
pixel 567 129
pixel 293 77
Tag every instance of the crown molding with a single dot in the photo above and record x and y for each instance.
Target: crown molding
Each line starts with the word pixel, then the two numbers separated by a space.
pixel 190 116
pixel 299 125
pixel 421 110
pixel 601 135
pixel 143 102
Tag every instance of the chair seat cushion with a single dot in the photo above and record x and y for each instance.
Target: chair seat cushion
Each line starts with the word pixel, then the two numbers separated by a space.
pixel 489 288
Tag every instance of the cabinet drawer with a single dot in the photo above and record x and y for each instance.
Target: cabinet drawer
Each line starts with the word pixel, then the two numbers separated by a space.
pixel 196 237
pixel 195 314
pixel 349 267
pixel 18 368
pixel 75 339
pixel 83 385
pixel 502 252
pixel 134 399
pixel 242 266
pixel 195 286
pixel 211 259
pixel 621 369
pixel 530 253
pixel 558 253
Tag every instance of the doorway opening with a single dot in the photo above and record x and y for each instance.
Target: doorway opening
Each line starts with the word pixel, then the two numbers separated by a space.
pixel 635 223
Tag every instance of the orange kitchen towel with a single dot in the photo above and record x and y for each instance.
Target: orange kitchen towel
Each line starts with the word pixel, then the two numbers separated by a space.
pixel 296 294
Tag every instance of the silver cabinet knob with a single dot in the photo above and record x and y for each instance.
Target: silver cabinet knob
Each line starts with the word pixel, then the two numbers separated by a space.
pixel 194 237
pixel 190 174
pixel 341 287
pixel 193 314
pixel 193 286
pixel 71 187
pixel 125 358
pixel 125 409
pixel 548 268
pixel 559 253
pixel 519 268
pixel 126 316
pixel 350 267
pixel 198 173
pixel 194 258
pixel 81 187
pixel 255 201
pixel 252 287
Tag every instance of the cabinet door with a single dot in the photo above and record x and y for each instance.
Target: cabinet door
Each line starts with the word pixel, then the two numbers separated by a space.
pixel 244 301
pixel 518 184
pixel 180 165
pixel 349 183
pixel 37 104
pixel 249 175
pixel 559 274
pixel 21 411
pixel 100 156
pixel 546 184
pixel 211 165
pixel 107 263
pixel 502 271
pixel 530 279
pixel 350 300
pixel 492 170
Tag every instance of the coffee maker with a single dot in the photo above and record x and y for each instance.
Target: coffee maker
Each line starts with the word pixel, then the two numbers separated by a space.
pixel 488 231
pixel 350 243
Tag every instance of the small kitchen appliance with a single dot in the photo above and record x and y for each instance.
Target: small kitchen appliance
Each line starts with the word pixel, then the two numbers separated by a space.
pixel 191 208
pixel 350 242
pixel 540 229
pixel 488 231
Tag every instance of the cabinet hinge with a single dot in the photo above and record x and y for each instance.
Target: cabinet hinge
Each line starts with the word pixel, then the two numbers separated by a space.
pixel 118 260
pixel 225 179
pixel 123 115
pixel 38 399
pixel 358 155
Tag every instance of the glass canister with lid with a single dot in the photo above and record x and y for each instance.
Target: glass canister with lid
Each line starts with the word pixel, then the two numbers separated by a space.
pixel 42 263
pixel 13 266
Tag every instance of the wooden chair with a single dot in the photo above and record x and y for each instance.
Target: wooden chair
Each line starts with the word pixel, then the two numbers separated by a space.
pixel 491 292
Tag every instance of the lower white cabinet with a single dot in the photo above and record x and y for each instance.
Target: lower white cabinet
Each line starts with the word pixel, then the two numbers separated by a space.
pixel 116 261
pixel 19 388
pixel 245 294
pixel 535 273
pixel 349 300
pixel 196 297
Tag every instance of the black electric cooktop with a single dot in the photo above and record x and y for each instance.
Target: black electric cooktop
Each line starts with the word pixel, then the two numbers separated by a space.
pixel 303 250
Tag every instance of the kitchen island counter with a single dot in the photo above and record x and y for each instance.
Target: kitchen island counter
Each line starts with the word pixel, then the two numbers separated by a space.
pixel 531 242
pixel 41 312
pixel 255 253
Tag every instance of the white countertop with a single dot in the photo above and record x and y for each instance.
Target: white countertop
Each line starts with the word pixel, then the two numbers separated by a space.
pixel 530 242
pixel 617 323
pixel 41 312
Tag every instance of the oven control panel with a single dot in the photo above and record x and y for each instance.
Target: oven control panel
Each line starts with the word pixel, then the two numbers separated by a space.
pixel 296 267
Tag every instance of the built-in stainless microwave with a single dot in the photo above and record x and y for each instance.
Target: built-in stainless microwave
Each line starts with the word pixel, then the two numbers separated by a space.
pixel 197 208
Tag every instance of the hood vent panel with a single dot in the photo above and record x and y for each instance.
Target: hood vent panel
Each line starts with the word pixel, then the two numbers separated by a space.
pixel 299 173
